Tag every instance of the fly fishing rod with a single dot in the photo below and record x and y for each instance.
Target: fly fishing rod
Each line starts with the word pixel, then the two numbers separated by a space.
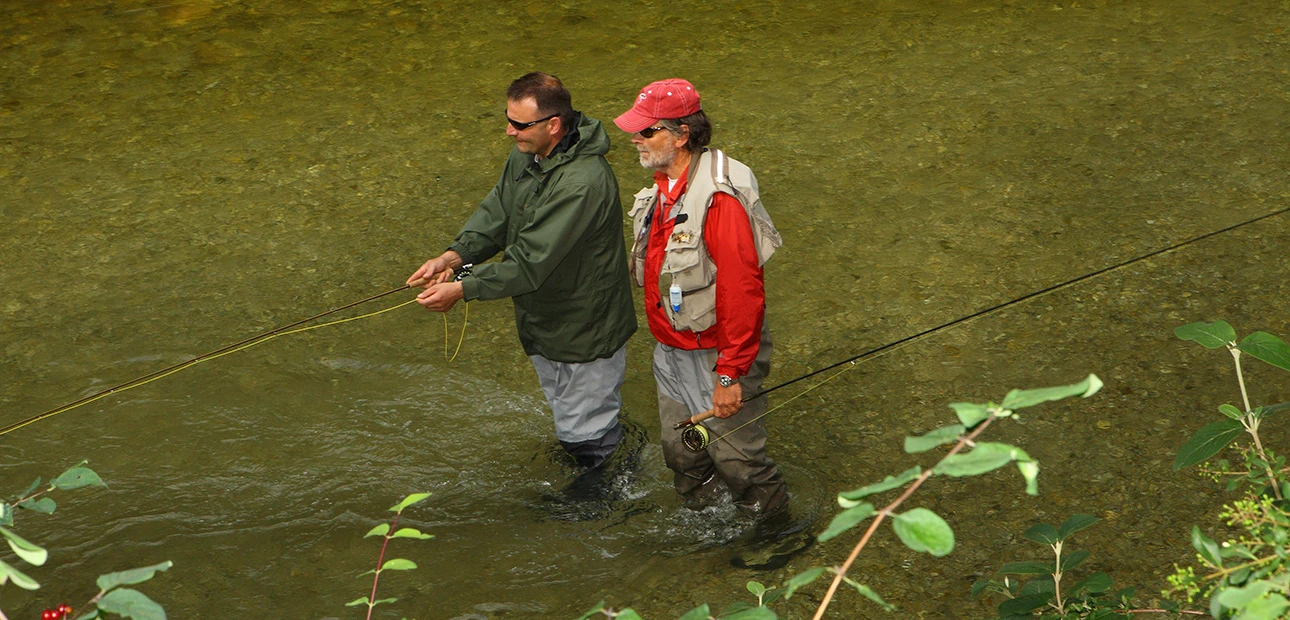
pixel 697 437
pixel 237 346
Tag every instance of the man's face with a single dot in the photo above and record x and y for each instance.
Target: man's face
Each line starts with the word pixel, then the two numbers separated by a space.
pixel 659 150
pixel 536 139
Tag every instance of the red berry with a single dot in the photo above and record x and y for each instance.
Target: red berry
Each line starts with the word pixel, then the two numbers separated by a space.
pixel 49 614
pixel 65 608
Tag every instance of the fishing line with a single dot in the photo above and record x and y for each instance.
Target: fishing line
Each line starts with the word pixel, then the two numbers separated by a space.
pixel 693 423
pixel 239 346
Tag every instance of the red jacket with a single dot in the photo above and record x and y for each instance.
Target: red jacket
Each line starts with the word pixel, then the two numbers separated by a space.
pixel 741 295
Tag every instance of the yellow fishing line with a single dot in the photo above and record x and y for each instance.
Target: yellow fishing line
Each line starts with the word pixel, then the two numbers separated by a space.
pixel 464 320
pixel 795 397
pixel 248 345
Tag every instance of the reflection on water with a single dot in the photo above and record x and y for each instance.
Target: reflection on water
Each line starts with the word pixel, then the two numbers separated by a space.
pixel 175 176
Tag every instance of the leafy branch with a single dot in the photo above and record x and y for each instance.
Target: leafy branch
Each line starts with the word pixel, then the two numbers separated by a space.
pixel 388 531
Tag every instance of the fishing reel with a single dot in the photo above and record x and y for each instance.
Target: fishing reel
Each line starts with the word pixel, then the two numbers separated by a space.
pixel 694 436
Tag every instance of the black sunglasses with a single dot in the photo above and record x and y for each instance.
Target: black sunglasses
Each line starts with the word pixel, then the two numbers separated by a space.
pixel 522 126
pixel 649 132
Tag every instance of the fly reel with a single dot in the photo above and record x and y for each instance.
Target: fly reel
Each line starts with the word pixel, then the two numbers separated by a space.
pixel 696 437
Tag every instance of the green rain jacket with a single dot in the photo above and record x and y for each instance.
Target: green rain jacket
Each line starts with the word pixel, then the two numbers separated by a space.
pixel 559 226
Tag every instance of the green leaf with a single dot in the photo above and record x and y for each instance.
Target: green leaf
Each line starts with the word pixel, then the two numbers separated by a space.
pixel 628 614
pixel 6 514
pixel 363 601
pixel 1020 399
pixel 398 564
pixel 408 501
pixel 1230 411
pixel 30 553
pixel 1206 547
pixel 922 530
pixel 985 457
pixel 868 593
pixel 1072 560
pixel 1274 606
pixel 379 530
pixel 1075 523
pixel 1034 567
pixel 698 613
pixel 756 613
pixel 1210 335
pixel 970 414
pixel 1207 442
pixel 1268 348
pixel 132 576
pixel 30 488
pixel 409 532
pixel 1042 533
pixel 76 478
pixel 1268 410
pixel 1236 598
pixel 43 505
pixel 90 615
pixel 850 498
pixel 131 603
pixel 1096 583
pixel 1030 471
pixel 1023 605
pixel 19 579
pixel 800 580
pixel 757 588
pixel 938 437
pixel 384 601
pixel 846 520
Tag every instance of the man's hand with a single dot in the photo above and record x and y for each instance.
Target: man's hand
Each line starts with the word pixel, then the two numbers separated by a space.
pixel 436 270
pixel 440 297
pixel 727 401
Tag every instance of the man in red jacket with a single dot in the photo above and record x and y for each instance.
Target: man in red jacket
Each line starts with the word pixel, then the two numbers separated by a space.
pixel 702 236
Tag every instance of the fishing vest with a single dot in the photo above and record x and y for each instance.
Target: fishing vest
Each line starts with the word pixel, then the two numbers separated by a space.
pixel 686 262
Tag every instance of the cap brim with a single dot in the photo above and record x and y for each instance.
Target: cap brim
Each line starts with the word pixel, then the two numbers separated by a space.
pixel 632 121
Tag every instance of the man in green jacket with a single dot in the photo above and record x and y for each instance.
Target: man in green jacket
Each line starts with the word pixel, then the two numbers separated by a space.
pixel 555 217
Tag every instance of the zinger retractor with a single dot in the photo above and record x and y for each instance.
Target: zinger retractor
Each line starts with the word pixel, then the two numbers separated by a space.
pixel 696 437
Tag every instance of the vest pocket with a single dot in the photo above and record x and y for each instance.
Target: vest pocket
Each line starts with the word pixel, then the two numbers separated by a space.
pixel 698 308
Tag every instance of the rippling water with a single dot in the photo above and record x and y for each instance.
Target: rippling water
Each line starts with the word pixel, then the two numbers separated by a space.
pixel 176 176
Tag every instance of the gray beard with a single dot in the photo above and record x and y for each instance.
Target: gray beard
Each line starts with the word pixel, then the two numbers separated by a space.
pixel 659 161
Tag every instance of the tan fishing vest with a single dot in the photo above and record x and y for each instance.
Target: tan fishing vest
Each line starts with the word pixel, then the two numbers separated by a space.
pixel 686 262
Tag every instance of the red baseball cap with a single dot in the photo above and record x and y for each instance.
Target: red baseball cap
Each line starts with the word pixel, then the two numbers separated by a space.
pixel 672 98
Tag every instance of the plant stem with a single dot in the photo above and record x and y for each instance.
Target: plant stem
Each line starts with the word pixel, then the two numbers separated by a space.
pixel 1057 577
pixel 1236 357
pixel 1252 426
pixel 371 600
pixel 882 514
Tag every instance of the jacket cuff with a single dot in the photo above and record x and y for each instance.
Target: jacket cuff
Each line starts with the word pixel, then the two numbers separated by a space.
pixel 470 288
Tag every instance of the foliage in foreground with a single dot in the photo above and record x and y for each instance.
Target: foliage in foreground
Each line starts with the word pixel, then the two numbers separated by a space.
pixel 111 597
pixel 388 531
pixel 919 529
pixel 1244 578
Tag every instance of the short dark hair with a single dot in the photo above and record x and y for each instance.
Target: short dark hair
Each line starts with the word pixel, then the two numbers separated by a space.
pixel 700 129
pixel 547 91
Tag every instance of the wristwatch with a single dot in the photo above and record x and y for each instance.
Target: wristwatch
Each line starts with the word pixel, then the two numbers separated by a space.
pixel 726 381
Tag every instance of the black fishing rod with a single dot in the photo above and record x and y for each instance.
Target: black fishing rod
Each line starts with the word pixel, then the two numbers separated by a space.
pixel 200 358
pixel 696 437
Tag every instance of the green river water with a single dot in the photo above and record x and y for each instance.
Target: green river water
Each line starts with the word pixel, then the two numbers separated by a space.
pixel 177 176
